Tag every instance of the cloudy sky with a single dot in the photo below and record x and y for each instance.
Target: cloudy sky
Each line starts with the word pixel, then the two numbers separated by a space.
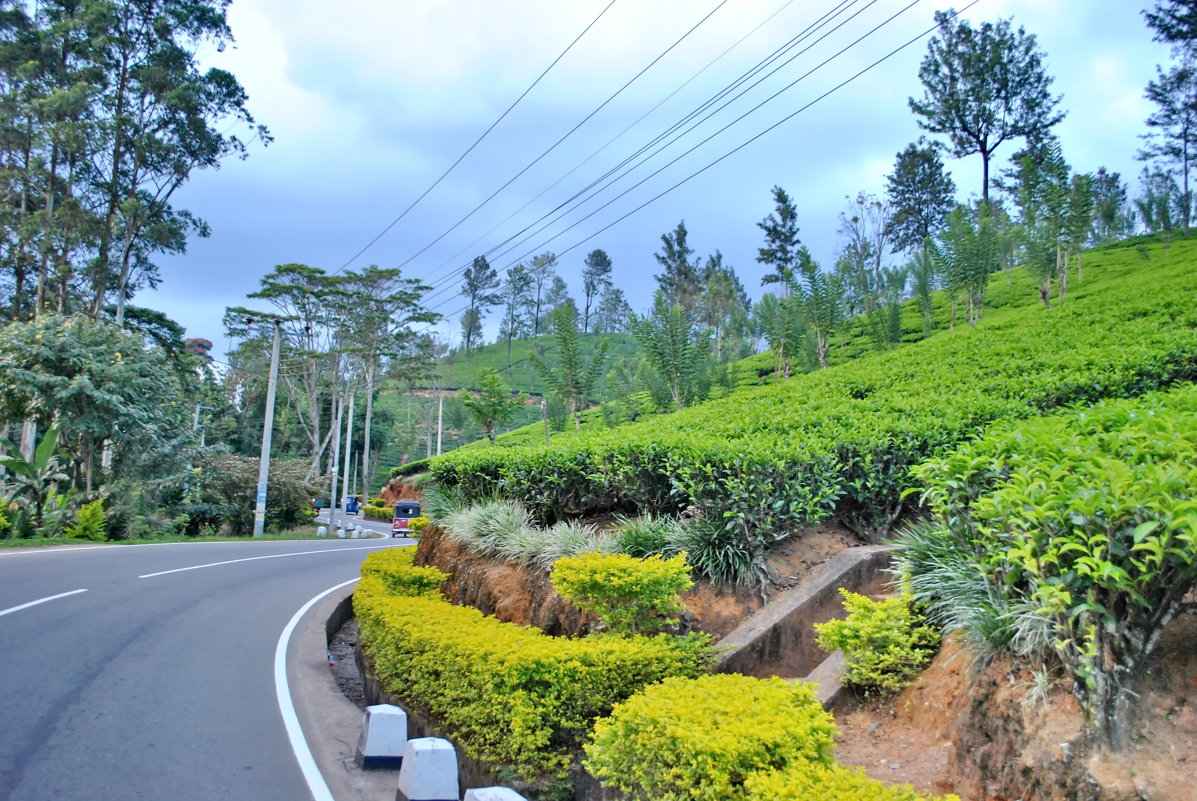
pixel 371 104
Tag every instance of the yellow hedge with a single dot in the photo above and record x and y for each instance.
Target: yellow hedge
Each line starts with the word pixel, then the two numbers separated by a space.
pixel 700 739
pixel 510 695
pixel 378 512
pixel 394 568
pixel 828 783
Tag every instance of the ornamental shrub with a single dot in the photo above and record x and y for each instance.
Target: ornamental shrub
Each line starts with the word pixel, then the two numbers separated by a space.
pixel 700 739
pixel 378 512
pixel 1083 526
pixel 885 645
pixel 828 783
pixel 394 568
pixel 90 522
pixel 418 524
pixel 510 696
pixel 629 595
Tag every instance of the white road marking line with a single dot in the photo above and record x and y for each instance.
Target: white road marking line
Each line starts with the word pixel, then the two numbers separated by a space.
pixel 299 744
pixel 10 610
pixel 256 558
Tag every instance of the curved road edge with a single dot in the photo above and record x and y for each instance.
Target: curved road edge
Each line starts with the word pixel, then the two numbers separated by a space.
pixel 330 722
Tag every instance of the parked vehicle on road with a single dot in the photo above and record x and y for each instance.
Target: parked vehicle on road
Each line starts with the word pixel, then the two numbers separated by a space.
pixel 401 522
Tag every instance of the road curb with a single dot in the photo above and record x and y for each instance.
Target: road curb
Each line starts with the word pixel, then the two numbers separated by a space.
pixel 331 722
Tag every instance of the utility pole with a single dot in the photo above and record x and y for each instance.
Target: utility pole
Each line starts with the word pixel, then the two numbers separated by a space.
pixel 348 462
pixel 333 456
pixel 544 413
pixel 440 415
pixel 267 432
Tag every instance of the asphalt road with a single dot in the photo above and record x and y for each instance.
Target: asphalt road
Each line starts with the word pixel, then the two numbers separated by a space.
pixel 155 687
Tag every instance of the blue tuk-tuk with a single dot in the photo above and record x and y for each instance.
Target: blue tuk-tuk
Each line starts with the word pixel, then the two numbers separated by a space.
pixel 403 514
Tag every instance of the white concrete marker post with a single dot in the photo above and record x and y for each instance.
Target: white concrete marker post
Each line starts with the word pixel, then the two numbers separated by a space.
pixel 493 794
pixel 429 771
pixel 384 737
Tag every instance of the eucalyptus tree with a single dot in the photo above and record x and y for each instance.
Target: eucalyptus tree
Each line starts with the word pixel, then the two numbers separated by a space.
pixel 613 312
pixel 921 193
pixel 723 307
pixel 383 311
pixel 542 269
pixel 311 309
pixel 596 279
pixel 516 294
pixel 866 233
pixel 782 244
pixel 1171 141
pixel 1113 216
pixel 679 279
pixel 557 295
pixel 479 282
pixel 573 378
pixel 983 87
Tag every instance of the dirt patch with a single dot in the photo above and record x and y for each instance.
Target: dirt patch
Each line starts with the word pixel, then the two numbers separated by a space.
pixel 399 489
pixel 792 558
pixel 972 730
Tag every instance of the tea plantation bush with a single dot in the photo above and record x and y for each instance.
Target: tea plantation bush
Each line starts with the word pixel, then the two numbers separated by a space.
pixel 510 695
pixel 1069 539
pixel 841 441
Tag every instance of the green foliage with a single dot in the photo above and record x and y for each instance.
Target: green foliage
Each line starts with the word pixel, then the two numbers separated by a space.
pixel 676 351
pixel 573 378
pixel 393 567
pixel 885 644
pixel 1084 526
pixel 646 535
pixel 227 483
pixel 629 595
pixel 700 739
pixel 418 524
pixel 35 480
pixel 90 522
pixel 510 696
pixel 378 512
pixel 505 530
pixel 828 783
pixel 493 404
pixel 771 459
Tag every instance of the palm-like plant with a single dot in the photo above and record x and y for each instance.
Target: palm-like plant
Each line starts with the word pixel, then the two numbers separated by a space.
pixel 35 480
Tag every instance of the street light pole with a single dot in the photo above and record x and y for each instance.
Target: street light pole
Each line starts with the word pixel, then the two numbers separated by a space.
pixel 267 432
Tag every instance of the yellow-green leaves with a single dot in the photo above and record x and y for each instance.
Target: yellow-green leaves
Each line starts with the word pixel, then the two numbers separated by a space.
pixel 629 595
pixel 700 739
pixel 828 783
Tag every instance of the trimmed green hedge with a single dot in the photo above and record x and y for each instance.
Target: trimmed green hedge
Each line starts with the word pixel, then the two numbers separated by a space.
pixel 512 696
pixel 842 440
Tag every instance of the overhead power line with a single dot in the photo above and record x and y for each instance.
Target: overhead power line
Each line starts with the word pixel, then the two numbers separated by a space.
pixel 478 141
pixel 838 87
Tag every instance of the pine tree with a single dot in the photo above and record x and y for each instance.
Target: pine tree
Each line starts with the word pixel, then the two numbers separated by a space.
pixel 479 282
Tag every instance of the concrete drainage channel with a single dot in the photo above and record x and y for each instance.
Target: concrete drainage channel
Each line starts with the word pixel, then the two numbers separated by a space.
pixel 391 753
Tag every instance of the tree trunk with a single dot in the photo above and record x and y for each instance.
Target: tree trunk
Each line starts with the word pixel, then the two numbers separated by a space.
pixel 366 477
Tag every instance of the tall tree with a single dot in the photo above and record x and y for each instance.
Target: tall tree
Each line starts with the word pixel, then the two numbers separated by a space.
pixel 822 297
pixel 921 193
pixel 723 307
pixel 1174 21
pixel 780 250
pixel 866 230
pixel 479 282
pixel 1113 217
pixel 573 378
pixel 783 325
pixel 516 295
pixel 1172 140
pixel 381 334
pixel 613 313
pixel 596 278
pixel 557 295
pixel 983 87
pixel 542 270
pixel 679 281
